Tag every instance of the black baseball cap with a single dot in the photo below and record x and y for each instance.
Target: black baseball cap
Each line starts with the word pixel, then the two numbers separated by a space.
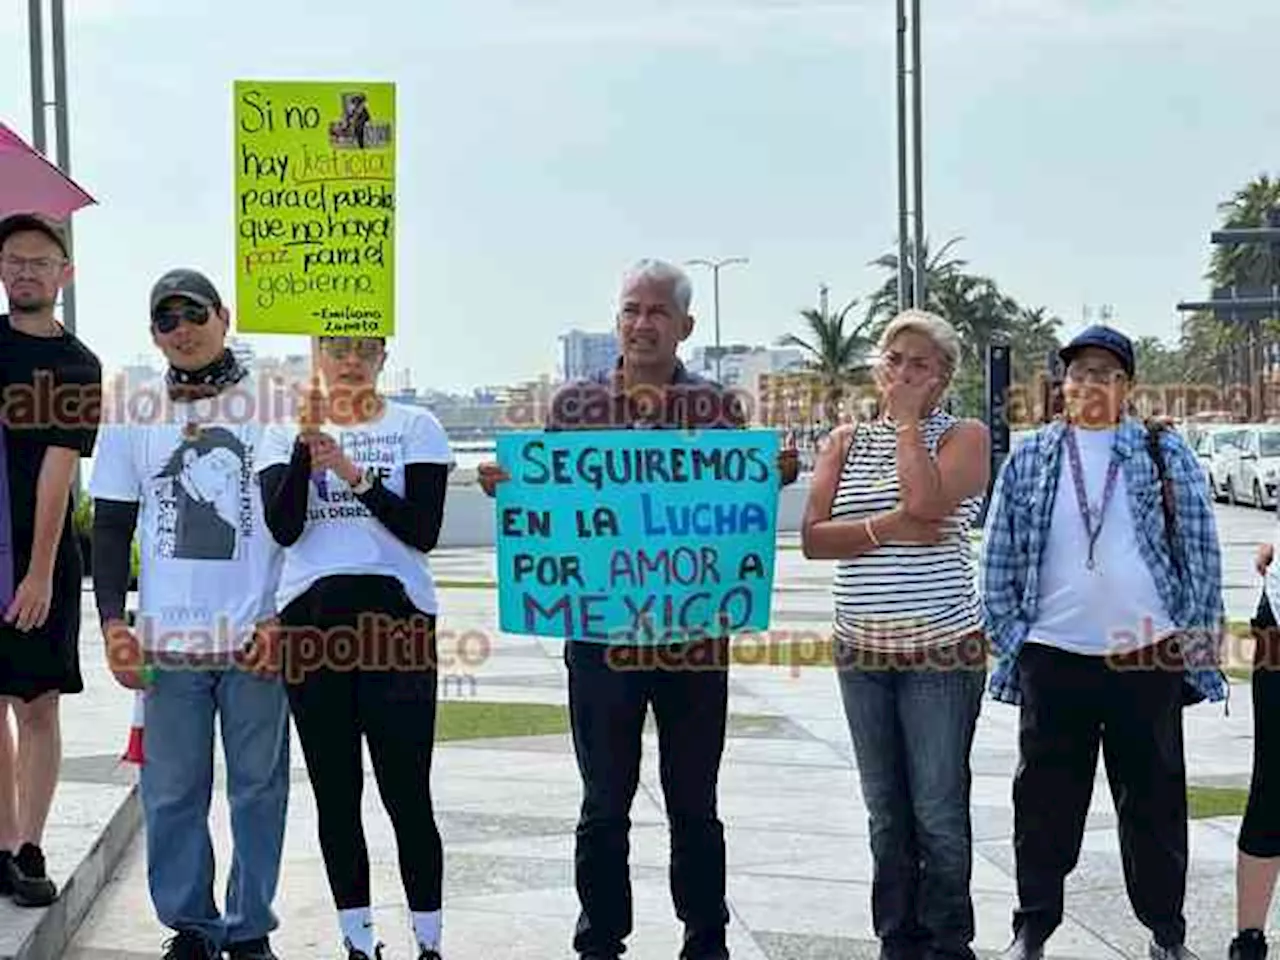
pixel 186 283
pixel 1103 338
pixel 33 223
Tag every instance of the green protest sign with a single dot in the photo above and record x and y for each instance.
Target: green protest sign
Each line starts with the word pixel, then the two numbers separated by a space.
pixel 315 170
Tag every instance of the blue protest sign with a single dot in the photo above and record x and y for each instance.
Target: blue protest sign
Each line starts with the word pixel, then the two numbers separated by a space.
pixel 637 536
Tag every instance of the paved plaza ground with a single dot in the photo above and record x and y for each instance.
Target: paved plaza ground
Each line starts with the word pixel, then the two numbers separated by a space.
pixel 799 866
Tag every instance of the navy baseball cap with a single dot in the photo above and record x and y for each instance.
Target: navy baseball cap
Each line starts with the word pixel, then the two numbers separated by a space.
pixel 1103 338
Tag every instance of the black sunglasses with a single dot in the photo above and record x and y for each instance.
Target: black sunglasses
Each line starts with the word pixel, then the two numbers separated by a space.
pixel 167 320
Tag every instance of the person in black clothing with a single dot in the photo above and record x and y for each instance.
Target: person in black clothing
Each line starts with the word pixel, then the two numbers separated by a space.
pixel 40 563
pixel 648 388
pixel 356 496
pixel 1258 843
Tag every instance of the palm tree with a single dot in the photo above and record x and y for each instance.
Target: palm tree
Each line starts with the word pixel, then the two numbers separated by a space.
pixel 1033 338
pixel 1247 263
pixel 1240 345
pixel 884 302
pixel 835 355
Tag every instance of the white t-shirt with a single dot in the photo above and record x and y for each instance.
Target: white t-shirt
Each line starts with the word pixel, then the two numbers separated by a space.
pixel 341 536
pixel 1116 606
pixel 209 565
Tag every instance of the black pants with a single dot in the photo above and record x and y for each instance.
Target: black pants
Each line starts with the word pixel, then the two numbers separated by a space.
pixel 1071 705
pixel 609 694
pixel 1260 830
pixel 384 691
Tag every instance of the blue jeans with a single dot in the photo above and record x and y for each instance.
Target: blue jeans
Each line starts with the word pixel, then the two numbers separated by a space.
pixel 177 787
pixel 912 729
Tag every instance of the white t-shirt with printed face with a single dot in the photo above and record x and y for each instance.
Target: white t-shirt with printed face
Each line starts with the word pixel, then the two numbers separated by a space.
pixel 341 536
pixel 209 566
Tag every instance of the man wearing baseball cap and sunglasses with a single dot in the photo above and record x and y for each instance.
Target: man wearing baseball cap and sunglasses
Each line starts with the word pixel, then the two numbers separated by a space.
pixel 201 649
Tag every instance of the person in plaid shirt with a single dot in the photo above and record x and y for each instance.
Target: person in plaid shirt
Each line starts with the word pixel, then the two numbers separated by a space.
pixel 1103 604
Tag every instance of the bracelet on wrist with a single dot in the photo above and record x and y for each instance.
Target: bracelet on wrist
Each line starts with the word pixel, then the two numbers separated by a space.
pixel 870 529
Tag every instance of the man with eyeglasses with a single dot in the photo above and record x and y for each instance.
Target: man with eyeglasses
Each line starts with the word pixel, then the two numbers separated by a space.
pixel 40 562
pixel 1102 586
pixel 201 649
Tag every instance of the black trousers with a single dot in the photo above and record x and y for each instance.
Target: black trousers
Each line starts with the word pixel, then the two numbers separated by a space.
pixel 609 695
pixel 1072 705
pixel 374 687
pixel 1260 830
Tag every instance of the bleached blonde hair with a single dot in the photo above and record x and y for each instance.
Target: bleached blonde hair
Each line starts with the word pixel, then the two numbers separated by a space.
pixel 940 333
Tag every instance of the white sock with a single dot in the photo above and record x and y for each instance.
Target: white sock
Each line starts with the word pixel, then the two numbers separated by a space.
pixel 426 927
pixel 357 928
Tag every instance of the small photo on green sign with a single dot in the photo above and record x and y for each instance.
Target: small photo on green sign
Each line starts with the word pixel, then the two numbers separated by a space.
pixel 315 176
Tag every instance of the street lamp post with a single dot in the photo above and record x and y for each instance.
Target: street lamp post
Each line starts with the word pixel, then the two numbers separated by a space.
pixel 39 105
pixel 715 266
pixel 912 290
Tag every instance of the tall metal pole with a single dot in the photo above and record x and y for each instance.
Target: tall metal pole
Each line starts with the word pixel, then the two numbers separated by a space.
pixel 904 278
pixel 715 282
pixel 917 136
pixel 715 266
pixel 62 126
pixel 35 19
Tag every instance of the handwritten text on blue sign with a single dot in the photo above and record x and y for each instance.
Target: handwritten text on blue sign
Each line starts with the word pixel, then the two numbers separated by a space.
pixel 637 537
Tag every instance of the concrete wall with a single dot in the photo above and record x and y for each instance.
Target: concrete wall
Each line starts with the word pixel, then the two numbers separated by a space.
pixel 468 514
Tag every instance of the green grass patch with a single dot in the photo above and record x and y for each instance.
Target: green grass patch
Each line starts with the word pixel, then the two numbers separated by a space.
pixel 1205 802
pixel 466 720
pixel 468 584
pixel 1239 674
pixel 746 724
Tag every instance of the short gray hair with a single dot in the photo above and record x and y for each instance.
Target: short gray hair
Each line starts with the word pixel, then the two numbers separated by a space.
pixel 941 333
pixel 659 271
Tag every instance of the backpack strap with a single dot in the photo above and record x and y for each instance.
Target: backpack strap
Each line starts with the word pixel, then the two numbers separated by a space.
pixel 1155 428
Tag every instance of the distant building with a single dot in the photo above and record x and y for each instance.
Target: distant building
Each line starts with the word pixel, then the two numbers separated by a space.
pixel 742 366
pixel 584 354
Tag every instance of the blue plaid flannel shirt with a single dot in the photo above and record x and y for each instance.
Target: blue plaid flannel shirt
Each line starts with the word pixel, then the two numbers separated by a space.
pixel 1017 530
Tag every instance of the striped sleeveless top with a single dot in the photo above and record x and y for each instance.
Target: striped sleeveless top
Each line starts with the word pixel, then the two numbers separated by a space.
pixel 902 597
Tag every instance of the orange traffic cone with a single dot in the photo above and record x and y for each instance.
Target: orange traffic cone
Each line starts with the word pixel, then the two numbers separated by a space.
pixel 133 752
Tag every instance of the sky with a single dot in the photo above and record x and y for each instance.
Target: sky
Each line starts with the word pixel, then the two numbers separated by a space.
pixel 1079 147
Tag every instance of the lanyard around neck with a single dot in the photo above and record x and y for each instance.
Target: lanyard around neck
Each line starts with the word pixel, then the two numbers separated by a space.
pixel 1082 497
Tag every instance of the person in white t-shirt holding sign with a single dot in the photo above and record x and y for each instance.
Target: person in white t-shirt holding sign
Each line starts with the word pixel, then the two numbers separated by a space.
pixel 207 580
pixel 356 496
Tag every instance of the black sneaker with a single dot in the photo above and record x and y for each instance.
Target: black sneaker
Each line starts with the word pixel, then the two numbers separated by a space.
pixel 259 949
pixel 30 883
pixel 1249 945
pixel 188 945
pixel 354 954
pixel 428 953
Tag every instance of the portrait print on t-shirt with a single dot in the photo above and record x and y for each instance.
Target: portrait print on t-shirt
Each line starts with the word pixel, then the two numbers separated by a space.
pixel 204 496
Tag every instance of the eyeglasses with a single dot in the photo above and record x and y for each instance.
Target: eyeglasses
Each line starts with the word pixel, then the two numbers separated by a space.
pixel 339 347
pixel 167 320
pixel 39 266
pixel 1104 376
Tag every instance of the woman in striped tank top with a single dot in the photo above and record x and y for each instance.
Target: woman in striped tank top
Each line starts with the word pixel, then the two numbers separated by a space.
pixel 892 501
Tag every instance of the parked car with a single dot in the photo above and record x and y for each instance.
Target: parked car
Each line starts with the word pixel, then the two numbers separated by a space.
pixel 1256 468
pixel 1217 447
